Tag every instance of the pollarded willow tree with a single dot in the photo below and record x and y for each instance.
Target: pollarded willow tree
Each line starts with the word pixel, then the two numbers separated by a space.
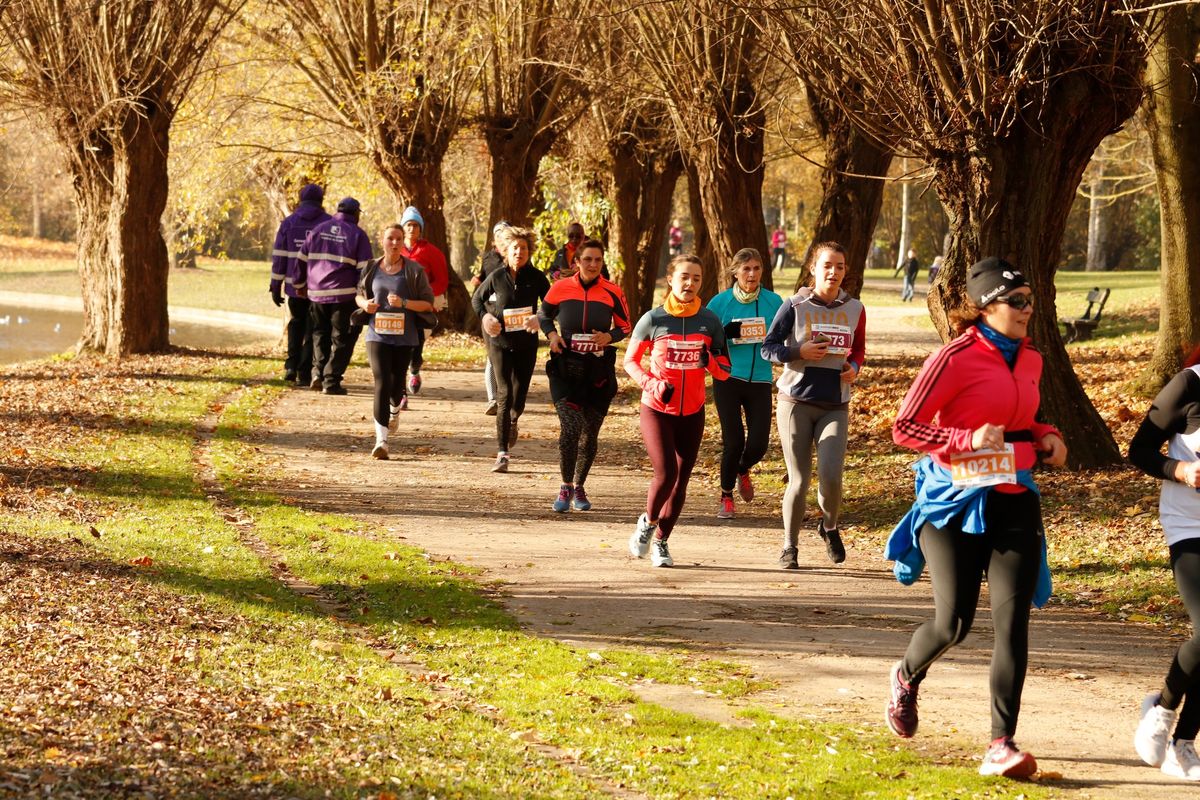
pixel 397 75
pixel 1173 119
pixel 107 78
pixel 1007 100
pixel 704 61
pixel 531 91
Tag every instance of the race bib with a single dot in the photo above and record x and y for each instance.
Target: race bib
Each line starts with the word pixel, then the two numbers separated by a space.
pixel 390 322
pixel 585 343
pixel 752 331
pixel 839 336
pixel 515 318
pixel 684 355
pixel 984 467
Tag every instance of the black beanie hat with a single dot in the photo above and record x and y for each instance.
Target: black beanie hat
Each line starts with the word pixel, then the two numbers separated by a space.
pixel 990 278
pixel 349 206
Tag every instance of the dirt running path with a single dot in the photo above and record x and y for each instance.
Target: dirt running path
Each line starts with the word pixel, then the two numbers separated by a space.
pixel 826 634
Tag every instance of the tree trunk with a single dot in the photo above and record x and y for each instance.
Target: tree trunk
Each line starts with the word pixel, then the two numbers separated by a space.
pixel 702 245
pixel 121 191
pixel 1010 198
pixel 417 181
pixel 1100 212
pixel 35 203
pixel 729 169
pixel 850 198
pixel 516 151
pixel 643 186
pixel 1173 120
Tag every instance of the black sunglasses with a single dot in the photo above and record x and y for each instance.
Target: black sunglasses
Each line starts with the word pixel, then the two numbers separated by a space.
pixel 1017 301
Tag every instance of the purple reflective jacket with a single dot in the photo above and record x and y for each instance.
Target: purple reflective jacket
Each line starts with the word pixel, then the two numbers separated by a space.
pixel 288 241
pixel 331 259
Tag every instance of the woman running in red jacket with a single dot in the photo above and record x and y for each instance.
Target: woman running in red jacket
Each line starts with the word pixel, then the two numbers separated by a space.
pixel 683 339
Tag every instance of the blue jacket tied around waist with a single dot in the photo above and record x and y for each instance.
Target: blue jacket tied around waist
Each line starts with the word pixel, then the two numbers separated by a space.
pixel 939 501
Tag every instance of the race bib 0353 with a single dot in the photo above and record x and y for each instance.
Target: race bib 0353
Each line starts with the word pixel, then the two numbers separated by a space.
pixel 752 330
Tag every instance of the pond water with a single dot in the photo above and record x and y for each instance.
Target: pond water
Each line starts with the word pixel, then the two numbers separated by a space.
pixel 27 333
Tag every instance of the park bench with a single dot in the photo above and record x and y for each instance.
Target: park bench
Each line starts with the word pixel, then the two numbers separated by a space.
pixel 1081 328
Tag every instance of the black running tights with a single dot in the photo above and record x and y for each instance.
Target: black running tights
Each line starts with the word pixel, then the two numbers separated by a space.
pixel 1009 552
pixel 742 444
pixel 578 439
pixel 1183 679
pixel 389 365
pixel 514 371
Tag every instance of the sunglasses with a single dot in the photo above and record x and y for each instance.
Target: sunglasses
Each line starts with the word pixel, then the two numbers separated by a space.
pixel 1017 301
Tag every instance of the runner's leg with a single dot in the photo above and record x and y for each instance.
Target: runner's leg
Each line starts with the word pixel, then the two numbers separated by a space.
pixel 658 434
pixel 756 401
pixel 689 431
pixel 728 397
pixel 593 419
pixel 570 429
pixel 829 432
pixel 1183 680
pixel 796 424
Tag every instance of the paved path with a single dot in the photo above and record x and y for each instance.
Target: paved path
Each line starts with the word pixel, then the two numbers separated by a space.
pixel 826 634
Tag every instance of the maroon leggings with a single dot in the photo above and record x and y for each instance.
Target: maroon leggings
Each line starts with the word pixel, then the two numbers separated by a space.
pixel 672 442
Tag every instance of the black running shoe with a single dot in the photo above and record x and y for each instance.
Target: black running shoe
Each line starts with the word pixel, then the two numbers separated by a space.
pixel 787 559
pixel 833 543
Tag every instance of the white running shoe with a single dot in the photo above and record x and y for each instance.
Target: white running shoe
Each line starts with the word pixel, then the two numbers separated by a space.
pixel 1153 731
pixel 1181 760
pixel 393 418
pixel 380 451
pixel 660 556
pixel 639 542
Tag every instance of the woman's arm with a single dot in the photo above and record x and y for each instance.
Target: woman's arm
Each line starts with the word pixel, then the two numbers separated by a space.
pixel 935 384
pixel 1167 416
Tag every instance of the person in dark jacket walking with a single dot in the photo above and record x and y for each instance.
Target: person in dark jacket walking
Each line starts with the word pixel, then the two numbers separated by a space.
pixel 507 303
pixel 330 262
pixel 284 274
pixel 491 261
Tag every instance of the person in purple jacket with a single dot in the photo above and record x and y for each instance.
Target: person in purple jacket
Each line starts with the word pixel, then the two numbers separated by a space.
pixel 284 269
pixel 330 261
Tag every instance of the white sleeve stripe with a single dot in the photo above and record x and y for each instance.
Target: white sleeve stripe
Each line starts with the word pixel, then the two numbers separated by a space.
pixel 333 292
pixel 333 257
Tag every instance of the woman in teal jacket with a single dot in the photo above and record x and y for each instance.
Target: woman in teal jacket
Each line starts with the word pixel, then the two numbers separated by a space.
pixel 745 309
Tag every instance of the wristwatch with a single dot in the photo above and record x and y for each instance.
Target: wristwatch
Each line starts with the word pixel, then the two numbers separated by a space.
pixel 403 303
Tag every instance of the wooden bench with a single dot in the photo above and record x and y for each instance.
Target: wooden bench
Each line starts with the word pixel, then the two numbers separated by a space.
pixel 1081 328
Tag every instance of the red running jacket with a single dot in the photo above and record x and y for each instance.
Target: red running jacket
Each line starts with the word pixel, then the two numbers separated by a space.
pixel 674 383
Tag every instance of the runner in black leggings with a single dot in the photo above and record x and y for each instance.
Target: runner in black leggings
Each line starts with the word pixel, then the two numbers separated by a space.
pixel 507 302
pixel 582 316
pixel 683 339
pixel 745 309
pixel 977 513
pixel 393 293
pixel 1174 420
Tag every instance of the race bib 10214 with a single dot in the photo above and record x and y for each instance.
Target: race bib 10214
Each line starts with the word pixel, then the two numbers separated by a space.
pixel 984 467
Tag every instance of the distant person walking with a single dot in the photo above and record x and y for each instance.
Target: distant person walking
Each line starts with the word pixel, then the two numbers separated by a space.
pixel 1174 420
pixel 745 309
pixel 285 271
pixel 507 303
pixel 683 339
pixel 393 293
pixel 433 261
pixel 935 268
pixel 911 267
pixel 329 265
pixel 973 410
pixel 675 239
pixel 778 248
pixel 818 336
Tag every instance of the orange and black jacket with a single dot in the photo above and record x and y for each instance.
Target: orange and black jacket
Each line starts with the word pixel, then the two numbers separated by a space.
pixel 681 349
pixel 598 307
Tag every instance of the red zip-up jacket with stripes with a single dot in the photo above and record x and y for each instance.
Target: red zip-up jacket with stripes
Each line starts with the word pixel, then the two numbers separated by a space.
pixel 675 345
pixel 599 307
pixel 966 384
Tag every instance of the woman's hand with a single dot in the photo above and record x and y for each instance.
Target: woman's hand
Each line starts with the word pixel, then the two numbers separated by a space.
pixel 532 325
pixel 556 342
pixel 491 325
pixel 1055 449
pixel 988 437
pixel 371 307
pixel 849 373
pixel 603 338
pixel 1188 473
pixel 813 351
pixel 394 299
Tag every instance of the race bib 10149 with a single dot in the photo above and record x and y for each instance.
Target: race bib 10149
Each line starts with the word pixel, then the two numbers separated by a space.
pixel 390 322
pixel 984 467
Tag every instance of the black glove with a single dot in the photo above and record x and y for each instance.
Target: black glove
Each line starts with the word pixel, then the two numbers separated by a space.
pixel 733 330
pixel 667 393
pixel 276 297
pixel 705 356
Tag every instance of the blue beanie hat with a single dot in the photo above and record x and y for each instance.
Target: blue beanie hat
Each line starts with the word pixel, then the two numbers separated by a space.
pixel 412 215
pixel 349 206
pixel 311 193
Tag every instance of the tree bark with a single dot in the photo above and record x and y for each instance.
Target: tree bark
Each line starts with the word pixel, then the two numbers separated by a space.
pixel 702 245
pixel 120 183
pixel 850 198
pixel 1099 230
pixel 516 149
pixel 1011 197
pixel 1173 120
pixel 643 184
